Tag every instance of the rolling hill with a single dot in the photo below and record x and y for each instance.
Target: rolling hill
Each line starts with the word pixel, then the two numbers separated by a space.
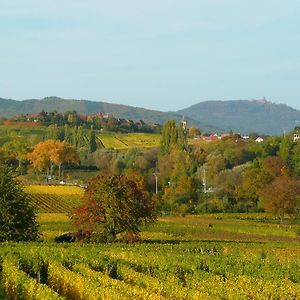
pixel 9 108
pixel 245 116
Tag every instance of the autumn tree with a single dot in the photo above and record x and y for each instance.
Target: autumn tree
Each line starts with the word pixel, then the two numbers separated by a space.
pixel 182 196
pixel 254 178
pixel 63 153
pixel 49 153
pixel 194 132
pixel 112 205
pixel 281 196
pixel 41 156
pixel 17 216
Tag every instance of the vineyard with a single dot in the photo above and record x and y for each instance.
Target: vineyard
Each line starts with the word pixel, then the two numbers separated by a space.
pixel 206 270
pixel 130 140
pixel 177 260
pixel 55 199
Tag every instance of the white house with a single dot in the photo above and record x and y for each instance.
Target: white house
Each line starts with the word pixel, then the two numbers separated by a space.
pixel 259 139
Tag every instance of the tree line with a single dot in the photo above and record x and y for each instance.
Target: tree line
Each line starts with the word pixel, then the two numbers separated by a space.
pixel 229 175
pixel 98 121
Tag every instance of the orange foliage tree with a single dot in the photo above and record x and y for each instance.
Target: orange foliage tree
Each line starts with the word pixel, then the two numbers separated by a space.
pixel 51 152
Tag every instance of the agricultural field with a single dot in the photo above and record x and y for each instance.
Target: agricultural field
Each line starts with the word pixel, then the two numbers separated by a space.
pixel 218 256
pixel 130 140
pixel 33 134
pixel 55 199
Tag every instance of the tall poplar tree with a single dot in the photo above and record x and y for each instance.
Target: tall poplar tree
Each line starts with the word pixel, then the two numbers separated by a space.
pixel 92 141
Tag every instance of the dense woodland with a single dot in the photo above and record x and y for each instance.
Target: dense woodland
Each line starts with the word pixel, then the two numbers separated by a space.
pixel 193 176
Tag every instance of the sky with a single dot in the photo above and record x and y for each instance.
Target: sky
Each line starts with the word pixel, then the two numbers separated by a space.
pixel 158 54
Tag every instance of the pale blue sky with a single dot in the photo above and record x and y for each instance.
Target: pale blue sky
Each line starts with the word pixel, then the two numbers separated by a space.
pixel 159 54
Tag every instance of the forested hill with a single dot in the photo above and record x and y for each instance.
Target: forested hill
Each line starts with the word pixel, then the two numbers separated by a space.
pixel 245 116
pixel 9 108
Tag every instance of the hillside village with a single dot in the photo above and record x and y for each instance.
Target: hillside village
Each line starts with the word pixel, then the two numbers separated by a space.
pixel 98 120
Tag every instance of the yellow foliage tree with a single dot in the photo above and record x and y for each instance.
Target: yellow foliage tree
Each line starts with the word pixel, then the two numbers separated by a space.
pixel 51 152
pixel 41 155
pixel 64 153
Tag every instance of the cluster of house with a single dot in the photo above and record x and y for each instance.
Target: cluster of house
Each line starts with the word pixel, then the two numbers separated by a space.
pixel 258 139
pixel 83 118
pixel 216 137
pixel 119 121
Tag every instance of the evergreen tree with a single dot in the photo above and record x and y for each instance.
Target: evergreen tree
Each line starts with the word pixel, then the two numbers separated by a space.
pixel 17 217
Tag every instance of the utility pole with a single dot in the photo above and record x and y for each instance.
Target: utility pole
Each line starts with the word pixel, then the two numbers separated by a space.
pixel 156 185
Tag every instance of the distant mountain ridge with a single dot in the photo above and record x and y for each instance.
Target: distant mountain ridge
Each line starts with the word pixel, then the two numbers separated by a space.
pixel 243 116
pixel 10 108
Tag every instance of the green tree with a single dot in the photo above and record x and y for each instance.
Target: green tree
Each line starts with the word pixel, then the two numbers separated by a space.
pixel 67 134
pixel 17 149
pixel 52 132
pixel 112 205
pixel 168 136
pixel 285 152
pixel 182 195
pixel 80 137
pixel 92 141
pixel 17 217
pixel 296 159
